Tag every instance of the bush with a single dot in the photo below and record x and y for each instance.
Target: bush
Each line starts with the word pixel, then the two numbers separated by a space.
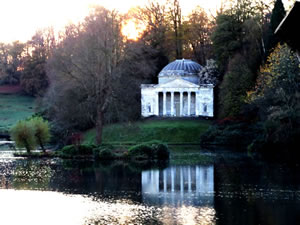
pixel 41 131
pixel 235 134
pixel 141 151
pixel 23 135
pixel 162 151
pixel 149 150
pixel 106 154
pixel 75 150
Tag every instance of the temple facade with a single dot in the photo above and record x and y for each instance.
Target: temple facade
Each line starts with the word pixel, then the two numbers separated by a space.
pixel 179 92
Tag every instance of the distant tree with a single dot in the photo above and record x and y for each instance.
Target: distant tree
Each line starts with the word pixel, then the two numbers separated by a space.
pixel 175 18
pixel 237 81
pixel 277 96
pixel 197 30
pixel 210 73
pixel 137 66
pixel 23 135
pixel 238 39
pixel 11 58
pixel 226 39
pixel 41 131
pixel 34 79
pixel 155 36
pixel 84 65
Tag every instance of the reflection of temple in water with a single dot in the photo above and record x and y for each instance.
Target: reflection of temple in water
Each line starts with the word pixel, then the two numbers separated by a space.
pixel 177 185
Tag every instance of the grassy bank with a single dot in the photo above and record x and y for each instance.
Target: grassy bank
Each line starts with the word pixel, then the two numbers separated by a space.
pixel 169 131
pixel 14 107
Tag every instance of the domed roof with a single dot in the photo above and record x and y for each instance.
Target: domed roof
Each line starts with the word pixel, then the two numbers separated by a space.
pixel 181 67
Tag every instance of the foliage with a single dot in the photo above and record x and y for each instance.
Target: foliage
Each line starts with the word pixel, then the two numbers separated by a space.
pixel 210 73
pixel 277 96
pixel 140 152
pixel 233 91
pixel 76 150
pixel 149 150
pixel 226 39
pixel 10 62
pixel 85 62
pixel 106 154
pixel 41 131
pixel 197 29
pixel 23 135
pixel 235 134
pixel 239 47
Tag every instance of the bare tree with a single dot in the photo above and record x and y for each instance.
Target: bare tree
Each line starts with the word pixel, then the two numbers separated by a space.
pixel 86 60
pixel 176 20
pixel 197 31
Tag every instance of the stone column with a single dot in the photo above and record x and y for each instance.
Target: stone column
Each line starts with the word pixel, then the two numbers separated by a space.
pixel 164 103
pixel 189 103
pixel 181 103
pixel 157 104
pixel 172 103
pixel 197 105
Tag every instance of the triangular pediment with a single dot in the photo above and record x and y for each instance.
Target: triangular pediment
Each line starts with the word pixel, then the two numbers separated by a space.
pixel 178 83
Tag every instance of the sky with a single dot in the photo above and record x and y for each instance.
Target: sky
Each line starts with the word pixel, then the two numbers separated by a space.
pixel 19 19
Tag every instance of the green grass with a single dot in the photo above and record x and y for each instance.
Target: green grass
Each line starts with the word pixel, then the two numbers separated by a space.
pixel 14 107
pixel 169 131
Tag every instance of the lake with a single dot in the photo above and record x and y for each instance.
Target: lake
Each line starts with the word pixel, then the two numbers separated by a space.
pixel 219 188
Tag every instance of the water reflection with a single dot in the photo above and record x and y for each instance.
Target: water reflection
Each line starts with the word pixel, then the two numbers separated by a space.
pixel 230 191
pixel 179 185
pixel 184 193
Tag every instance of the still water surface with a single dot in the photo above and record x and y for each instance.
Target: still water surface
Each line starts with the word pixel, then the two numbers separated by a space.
pixel 226 189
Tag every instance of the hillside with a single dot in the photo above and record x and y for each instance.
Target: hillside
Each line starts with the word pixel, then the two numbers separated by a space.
pixel 14 107
pixel 187 131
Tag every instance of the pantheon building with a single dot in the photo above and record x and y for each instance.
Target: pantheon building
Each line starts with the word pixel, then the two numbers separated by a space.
pixel 179 92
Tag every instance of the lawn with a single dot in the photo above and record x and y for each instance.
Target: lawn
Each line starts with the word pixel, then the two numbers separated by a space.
pixel 14 107
pixel 170 131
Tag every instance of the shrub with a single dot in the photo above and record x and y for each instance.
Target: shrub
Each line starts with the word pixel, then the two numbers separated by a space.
pixel 23 135
pixel 106 154
pixel 141 151
pixel 41 131
pixel 149 150
pixel 68 150
pixel 75 150
pixel 161 151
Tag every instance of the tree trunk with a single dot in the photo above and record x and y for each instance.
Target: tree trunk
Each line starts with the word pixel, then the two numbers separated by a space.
pixel 27 147
pixel 42 146
pixel 99 127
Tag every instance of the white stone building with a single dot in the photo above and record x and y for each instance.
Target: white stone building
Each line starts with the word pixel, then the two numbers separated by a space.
pixel 179 92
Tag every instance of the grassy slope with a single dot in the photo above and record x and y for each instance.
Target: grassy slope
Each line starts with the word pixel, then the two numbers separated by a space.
pixel 170 131
pixel 14 107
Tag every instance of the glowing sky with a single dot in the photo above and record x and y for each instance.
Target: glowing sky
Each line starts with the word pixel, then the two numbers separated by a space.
pixel 19 19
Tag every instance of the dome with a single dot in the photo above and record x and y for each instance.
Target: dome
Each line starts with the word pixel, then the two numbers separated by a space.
pixel 181 68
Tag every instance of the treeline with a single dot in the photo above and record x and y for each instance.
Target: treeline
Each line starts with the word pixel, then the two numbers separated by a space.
pixel 258 98
pixel 90 74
